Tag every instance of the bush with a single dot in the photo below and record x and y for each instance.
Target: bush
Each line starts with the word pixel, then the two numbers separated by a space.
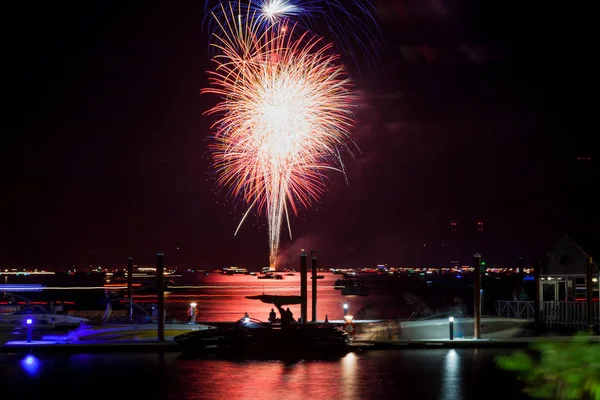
pixel 558 370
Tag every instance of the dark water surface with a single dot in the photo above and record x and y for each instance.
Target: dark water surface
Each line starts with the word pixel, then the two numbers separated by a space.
pixel 391 374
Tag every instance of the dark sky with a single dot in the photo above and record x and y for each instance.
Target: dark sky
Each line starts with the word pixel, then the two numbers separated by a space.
pixel 477 110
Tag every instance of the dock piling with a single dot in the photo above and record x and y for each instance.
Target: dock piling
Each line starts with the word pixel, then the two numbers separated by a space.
pixel 477 296
pixel 160 289
pixel 521 266
pixel 589 285
pixel 303 287
pixel 314 286
pixel 538 294
pixel 130 288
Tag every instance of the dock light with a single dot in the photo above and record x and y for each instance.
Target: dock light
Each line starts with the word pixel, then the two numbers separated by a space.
pixel 29 321
pixel 451 327
pixel 246 320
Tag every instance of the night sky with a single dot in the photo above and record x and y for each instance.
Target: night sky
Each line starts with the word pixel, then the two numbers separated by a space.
pixel 477 111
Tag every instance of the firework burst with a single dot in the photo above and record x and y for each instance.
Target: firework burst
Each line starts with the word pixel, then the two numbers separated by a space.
pixel 284 115
pixel 351 24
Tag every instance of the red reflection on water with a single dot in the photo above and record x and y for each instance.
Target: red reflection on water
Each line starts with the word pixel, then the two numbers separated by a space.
pixel 222 298
pixel 219 379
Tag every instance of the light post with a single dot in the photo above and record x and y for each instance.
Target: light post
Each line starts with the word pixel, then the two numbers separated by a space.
pixel 345 309
pixel 29 323
pixel 192 313
pixel 451 325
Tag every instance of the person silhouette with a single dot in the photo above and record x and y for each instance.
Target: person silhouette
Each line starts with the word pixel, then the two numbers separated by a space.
pixel 272 316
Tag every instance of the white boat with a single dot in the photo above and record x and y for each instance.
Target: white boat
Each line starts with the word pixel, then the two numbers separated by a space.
pixel 123 331
pixel 439 328
pixel 38 318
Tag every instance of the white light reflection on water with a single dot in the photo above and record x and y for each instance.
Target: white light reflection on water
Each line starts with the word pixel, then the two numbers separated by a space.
pixel 349 377
pixel 31 365
pixel 451 379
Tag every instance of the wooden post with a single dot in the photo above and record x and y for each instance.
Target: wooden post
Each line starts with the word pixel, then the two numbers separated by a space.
pixel 537 269
pixel 477 296
pixel 130 288
pixel 521 266
pixel 303 287
pixel 589 285
pixel 160 292
pixel 314 286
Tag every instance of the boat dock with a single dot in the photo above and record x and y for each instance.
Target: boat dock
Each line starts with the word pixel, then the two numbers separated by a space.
pixel 151 346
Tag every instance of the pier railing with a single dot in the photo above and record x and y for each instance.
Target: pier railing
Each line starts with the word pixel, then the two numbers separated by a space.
pixel 553 314
pixel 567 314
pixel 515 309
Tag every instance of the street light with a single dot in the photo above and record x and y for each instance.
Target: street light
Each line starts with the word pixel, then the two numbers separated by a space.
pixel 29 322
pixel 345 309
pixel 451 325
pixel 192 312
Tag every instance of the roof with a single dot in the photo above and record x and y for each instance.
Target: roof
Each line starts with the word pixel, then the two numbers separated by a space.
pixel 588 242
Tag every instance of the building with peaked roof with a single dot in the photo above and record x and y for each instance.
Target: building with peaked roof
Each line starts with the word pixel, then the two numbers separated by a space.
pixel 563 271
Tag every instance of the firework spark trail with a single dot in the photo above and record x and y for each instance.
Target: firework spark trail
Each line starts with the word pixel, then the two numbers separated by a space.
pixel 351 24
pixel 284 113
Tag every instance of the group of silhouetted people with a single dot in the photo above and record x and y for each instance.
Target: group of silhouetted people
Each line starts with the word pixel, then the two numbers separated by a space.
pixel 286 316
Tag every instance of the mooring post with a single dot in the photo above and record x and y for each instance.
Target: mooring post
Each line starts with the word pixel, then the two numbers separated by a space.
pixel 537 267
pixel 160 289
pixel 314 286
pixel 303 287
pixel 521 266
pixel 477 296
pixel 130 287
pixel 589 285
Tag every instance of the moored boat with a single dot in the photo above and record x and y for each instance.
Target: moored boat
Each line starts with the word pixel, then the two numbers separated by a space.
pixel 251 337
pixel 39 318
pixel 355 290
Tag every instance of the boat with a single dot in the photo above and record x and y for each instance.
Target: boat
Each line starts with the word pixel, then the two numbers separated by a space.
pixel 355 290
pixel 251 337
pixel 319 277
pixel 266 276
pixel 439 328
pixel 254 338
pixel 278 277
pixel 122 332
pixel 340 283
pixel 234 271
pixel 140 284
pixel 38 317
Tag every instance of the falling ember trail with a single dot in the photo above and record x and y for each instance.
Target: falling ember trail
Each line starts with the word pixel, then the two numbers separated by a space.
pixel 284 113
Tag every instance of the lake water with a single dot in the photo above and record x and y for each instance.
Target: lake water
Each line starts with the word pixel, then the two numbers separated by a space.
pixel 391 374
pixel 223 297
